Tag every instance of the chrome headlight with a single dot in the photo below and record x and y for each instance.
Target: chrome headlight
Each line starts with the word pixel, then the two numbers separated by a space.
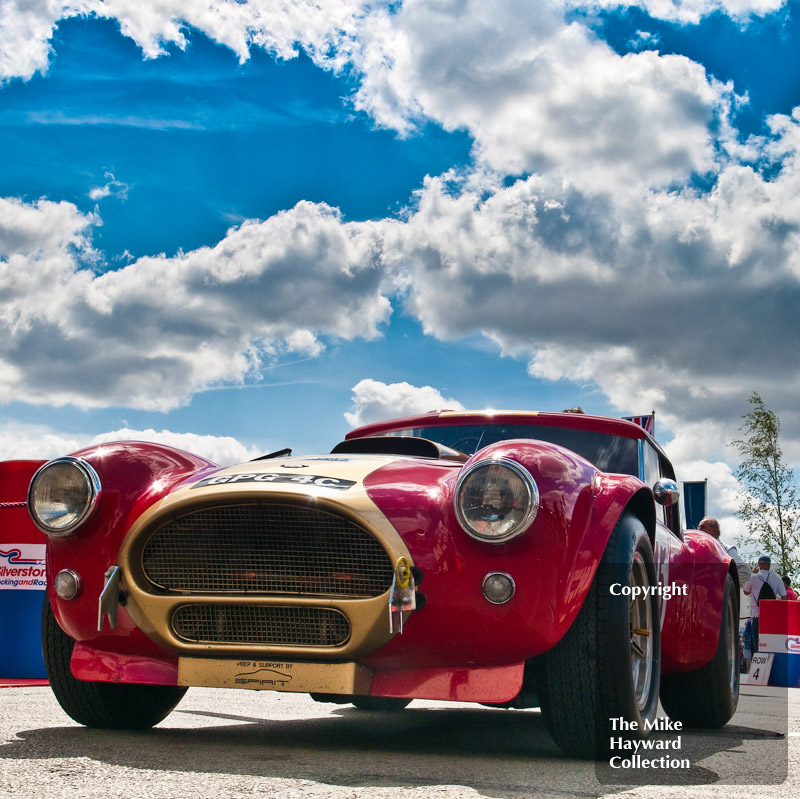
pixel 62 495
pixel 496 499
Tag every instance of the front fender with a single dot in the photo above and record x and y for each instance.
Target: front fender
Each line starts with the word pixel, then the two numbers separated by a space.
pixel 133 476
pixel 552 563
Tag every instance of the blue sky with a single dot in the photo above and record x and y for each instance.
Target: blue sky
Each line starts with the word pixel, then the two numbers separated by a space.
pixel 250 228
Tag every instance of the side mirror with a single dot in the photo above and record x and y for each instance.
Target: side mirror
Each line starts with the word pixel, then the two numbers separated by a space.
pixel 666 492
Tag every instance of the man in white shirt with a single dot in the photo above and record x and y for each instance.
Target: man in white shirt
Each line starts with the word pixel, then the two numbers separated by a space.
pixel 711 526
pixel 754 588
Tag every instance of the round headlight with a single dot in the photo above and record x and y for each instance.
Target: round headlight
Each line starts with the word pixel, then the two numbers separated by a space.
pixel 496 499
pixel 62 495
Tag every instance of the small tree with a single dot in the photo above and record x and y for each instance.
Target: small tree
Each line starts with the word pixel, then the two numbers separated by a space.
pixel 770 501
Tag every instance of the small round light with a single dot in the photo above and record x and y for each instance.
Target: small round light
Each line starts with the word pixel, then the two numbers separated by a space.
pixel 62 495
pixel 498 587
pixel 67 584
pixel 496 499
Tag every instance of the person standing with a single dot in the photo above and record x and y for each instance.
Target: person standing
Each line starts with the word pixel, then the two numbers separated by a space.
pixel 711 526
pixel 790 592
pixel 764 584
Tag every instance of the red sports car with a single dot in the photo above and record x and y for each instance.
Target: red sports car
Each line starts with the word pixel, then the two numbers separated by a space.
pixel 515 559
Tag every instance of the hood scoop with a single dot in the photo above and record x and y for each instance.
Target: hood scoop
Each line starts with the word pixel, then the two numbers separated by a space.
pixel 410 446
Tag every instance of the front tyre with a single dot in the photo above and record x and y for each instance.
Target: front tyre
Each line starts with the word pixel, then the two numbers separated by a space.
pixel 100 704
pixel 608 664
pixel 708 696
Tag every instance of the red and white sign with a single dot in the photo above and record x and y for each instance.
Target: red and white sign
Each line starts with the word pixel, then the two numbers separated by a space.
pixel 779 626
pixel 22 567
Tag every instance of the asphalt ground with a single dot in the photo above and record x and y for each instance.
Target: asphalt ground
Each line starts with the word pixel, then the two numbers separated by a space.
pixel 221 744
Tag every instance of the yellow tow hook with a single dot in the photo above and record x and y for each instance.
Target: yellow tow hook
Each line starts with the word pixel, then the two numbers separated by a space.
pixel 402 596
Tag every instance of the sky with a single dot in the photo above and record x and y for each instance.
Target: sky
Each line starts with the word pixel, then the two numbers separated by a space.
pixel 244 225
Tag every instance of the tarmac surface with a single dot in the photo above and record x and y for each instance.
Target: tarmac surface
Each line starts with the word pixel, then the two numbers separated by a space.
pixel 225 744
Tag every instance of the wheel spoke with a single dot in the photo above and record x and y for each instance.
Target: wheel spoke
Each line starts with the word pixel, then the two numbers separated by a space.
pixel 640 621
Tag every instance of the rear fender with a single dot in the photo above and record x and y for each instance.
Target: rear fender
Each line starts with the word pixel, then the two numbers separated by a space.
pixel 709 565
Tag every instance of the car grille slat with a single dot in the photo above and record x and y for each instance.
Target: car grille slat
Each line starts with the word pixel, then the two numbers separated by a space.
pixel 266 549
pixel 266 625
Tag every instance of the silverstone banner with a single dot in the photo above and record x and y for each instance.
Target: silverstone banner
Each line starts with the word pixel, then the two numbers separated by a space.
pixel 22 567
pixel 22 576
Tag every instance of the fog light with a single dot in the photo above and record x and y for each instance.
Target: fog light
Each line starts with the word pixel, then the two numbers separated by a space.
pixel 67 584
pixel 498 587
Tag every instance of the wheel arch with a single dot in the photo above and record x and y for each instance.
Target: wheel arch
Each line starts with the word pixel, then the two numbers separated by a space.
pixel 642 506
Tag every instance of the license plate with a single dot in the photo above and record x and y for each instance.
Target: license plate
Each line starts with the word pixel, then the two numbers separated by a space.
pixel 275 675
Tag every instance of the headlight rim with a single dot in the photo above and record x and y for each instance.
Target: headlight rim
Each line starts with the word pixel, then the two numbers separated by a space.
pixel 533 492
pixel 89 474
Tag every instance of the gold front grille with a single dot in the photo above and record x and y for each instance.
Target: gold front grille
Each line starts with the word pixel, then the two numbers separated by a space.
pixel 265 625
pixel 266 549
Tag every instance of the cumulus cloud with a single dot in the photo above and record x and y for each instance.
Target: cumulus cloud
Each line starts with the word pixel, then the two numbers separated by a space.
pixel 154 332
pixel 25 441
pixel 539 94
pixel 331 31
pixel 222 450
pixel 536 92
pixel 318 26
pixel 373 401
pixel 42 228
pixel 315 25
pixel 35 442
pixel 26 27
pixel 675 300
pixel 680 300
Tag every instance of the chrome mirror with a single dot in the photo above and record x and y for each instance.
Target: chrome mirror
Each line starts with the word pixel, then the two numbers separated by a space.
pixel 666 492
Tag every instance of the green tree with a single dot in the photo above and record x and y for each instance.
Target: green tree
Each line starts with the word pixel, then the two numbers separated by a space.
pixel 769 498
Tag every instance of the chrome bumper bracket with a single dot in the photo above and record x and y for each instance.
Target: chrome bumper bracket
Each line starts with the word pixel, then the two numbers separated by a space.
pixel 109 599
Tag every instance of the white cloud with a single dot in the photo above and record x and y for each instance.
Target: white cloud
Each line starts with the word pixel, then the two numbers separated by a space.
pixel 112 187
pixel 39 442
pixel 689 11
pixel 329 30
pixel 152 333
pixel 279 28
pixel 27 26
pixel 680 301
pixel 374 401
pixel 539 94
pixel 41 227
pixel 222 450
pixel 20 441
pixel 683 301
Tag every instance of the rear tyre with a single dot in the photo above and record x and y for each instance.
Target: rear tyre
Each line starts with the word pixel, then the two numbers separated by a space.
pixel 608 664
pixel 384 704
pixel 100 704
pixel 708 696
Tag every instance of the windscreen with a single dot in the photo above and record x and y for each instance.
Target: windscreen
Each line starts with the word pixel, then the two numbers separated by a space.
pixel 608 453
